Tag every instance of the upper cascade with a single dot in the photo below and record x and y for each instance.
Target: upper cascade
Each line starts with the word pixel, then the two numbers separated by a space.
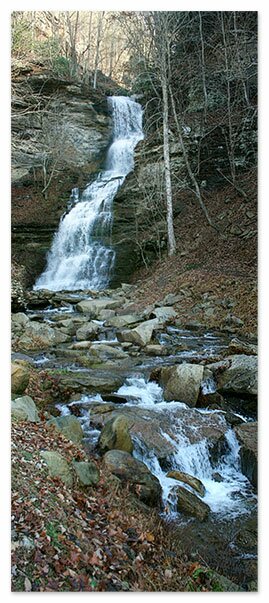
pixel 81 256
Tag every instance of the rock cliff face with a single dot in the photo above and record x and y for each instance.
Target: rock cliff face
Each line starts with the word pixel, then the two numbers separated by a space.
pixel 60 132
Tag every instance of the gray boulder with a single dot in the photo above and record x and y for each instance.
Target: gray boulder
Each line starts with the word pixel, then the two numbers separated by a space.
pixel 87 472
pixel 87 331
pixel 104 351
pixel 58 466
pixel 241 377
pixel 140 335
pixel 182 382
pixel 24 409
pixel 93 307
pixel 164 314
pixel 115 435
pixel 69 426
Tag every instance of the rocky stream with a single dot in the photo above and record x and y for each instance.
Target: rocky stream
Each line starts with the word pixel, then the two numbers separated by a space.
pixel 171 410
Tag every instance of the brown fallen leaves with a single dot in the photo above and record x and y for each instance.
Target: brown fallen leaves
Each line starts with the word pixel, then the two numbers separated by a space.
pixel 94 539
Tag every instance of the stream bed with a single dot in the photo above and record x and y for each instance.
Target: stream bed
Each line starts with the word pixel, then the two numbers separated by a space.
pixel 171 436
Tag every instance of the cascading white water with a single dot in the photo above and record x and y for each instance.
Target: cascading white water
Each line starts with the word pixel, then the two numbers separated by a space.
pixel 227 496
pixel 81 256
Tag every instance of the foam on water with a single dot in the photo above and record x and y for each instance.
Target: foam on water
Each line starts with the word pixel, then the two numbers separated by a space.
pixel 228 491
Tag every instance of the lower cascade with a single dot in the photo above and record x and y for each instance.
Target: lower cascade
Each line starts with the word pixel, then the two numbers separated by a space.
pixel 81 256
pixel 227 490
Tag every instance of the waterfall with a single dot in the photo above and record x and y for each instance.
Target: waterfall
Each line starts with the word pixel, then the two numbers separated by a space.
pixel 81 256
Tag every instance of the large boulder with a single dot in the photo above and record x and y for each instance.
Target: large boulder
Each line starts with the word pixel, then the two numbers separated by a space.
pixel 58 466
pixel 19 320
pixel 87 331
pixel 140 335
pixel 142 483
pixel 240 377
pixel 182 382
pixel 104 351
pixel 115 435
pixel 92 382
pixel 164 314
pixel 93 307
pixel 24 409
pixel 189 504
pixel 20 376
pixel 69 426
pixel 247 434
pixel 124 320
pixel 155 429
pixel 39 336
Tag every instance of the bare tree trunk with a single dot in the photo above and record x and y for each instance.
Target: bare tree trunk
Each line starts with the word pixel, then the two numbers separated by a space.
pixel 245 92
pixel 89 41
pixel 203 66
pixel 167 172
pixel 98 40
pixel 229 108
pixel 187 163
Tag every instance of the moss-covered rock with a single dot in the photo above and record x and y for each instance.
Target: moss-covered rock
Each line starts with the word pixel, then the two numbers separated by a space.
pixel 115 435
pixel 87 472
pixel 58 466
pixel 142 483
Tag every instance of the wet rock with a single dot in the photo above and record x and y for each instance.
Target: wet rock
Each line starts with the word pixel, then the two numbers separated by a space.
pixel 115 435
pixel 95 382
pixel 93 307
pixel 142 483
pixel 241 347
pixel 164 314
pixel 140 335
pixel 192 481
pixel 124 320
pixel 189 504
pixel 20 376
pixel 87 331
pixel 154 429
pixel 87 472
pixel 104 351
pixel 241 377
pixel 116 398
pixel 155 350
pixel 58 466
pixel 81 345
pixel 247 435
pixel 182 382
pixel 106 314
pixel 69 426
pixel 209 400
